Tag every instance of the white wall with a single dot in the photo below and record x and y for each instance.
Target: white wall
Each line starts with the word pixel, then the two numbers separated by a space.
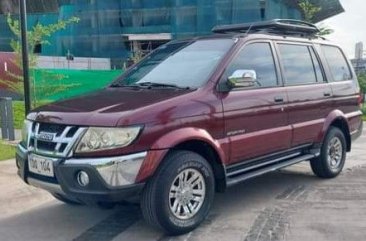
pixel 49 62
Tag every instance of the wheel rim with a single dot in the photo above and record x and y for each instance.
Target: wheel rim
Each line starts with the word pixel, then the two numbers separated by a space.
pixel 187 194
pixel 335 152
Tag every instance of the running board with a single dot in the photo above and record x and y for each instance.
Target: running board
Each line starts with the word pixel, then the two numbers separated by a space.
pixel 247 174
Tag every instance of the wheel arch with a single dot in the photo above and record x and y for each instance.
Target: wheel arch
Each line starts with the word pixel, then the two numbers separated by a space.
pixel 205 150
pixel 337 119
pixel 189 139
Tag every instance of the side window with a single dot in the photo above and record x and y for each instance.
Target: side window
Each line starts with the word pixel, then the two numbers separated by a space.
pixel 337 63
pixel 257 57
pixel 318 70
pixel 298 64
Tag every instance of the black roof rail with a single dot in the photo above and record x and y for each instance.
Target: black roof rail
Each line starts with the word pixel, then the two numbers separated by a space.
pixel 275 26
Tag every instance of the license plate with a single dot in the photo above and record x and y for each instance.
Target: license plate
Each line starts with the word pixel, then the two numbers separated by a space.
pixel 40 165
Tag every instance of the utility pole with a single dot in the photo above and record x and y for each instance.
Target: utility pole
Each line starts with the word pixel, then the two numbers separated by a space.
pixel 25 56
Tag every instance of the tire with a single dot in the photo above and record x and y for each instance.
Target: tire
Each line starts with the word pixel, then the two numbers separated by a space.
pixel 163 195
pixel 332 157
pixel 66 200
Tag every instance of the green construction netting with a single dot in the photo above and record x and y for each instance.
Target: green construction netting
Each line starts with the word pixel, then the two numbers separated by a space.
pixel 103 23
pixel 53 85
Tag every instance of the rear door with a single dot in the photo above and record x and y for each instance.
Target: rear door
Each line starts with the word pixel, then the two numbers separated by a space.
pixel 344 85
pixel 309 94
pixel 255 117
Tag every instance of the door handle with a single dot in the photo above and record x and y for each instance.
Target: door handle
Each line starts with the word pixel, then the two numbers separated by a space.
pixel 278 99
pixel 327 94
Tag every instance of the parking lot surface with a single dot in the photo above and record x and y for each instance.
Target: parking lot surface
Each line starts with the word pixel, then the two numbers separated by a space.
pixel 291 204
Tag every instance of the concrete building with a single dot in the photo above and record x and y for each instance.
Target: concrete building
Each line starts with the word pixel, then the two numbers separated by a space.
pixel 359 62
pixel 359 65
pixel 359 50
pixel 115 28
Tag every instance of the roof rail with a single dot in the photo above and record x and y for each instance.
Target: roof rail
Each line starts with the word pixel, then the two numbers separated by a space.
pixel 275 26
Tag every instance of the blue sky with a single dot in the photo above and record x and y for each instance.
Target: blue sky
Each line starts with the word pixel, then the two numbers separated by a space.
pixel 350 26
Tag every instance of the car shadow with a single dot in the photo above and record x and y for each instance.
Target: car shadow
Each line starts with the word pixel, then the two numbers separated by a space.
pixel 57 221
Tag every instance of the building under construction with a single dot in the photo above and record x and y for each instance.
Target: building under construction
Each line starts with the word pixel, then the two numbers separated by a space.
pixel 115 28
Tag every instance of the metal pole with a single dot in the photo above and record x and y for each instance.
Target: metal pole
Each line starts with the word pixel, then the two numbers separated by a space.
pixel 25 57
pixel 4 121
pixel 6 113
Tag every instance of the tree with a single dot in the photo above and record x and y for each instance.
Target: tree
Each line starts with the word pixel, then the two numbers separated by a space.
pixel 37 35
pixel 362 80
pixel 309 12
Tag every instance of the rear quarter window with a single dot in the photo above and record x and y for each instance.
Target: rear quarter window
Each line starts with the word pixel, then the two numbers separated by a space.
pixel 337 63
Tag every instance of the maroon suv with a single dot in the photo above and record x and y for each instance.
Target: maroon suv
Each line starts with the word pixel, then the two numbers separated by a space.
pixel 195 117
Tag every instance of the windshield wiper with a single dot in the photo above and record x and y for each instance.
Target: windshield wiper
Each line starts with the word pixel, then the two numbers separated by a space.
pixel 161 85
pixel 148 85
pixel 120 85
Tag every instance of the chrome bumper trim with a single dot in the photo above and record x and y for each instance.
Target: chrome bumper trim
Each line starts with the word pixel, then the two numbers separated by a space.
pixel 105 161
pixel 115 171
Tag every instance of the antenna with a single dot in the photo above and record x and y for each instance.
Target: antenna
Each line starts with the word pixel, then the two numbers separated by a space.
pixel 250 28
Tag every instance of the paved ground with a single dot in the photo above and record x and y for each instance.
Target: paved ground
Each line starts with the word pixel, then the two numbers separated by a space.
pixel 291 204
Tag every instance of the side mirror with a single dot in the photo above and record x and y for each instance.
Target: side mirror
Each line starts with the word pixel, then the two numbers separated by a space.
pixel 243 78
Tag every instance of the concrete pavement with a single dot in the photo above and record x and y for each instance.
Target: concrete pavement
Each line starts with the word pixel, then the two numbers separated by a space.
pixel 291 204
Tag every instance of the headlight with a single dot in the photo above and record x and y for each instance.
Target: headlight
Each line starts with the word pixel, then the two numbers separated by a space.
pixel 27 127
pixel 98 139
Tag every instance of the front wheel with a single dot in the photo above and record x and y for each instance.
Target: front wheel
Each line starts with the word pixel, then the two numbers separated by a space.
pixel 179 196
pixel 332 156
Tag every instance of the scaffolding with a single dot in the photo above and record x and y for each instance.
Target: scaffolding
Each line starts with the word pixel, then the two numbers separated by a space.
pixel 105 24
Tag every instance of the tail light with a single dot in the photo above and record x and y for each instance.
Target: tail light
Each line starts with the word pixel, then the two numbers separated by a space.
pixel 360 100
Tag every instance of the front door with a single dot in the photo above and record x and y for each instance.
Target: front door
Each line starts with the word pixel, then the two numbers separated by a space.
pixel 255 116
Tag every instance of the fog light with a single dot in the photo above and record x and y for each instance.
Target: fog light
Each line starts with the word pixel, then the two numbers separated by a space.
pixel 82 178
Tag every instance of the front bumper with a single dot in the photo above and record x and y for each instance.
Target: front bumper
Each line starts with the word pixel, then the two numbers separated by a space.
pixel 64 182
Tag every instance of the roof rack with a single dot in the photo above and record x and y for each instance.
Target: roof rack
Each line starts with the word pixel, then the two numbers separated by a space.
pixel 275 26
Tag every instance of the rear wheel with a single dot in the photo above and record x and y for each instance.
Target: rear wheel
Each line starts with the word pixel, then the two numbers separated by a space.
pixel 333 155
pixel 179 196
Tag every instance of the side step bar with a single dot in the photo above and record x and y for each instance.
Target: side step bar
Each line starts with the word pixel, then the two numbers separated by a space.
pixel 247 174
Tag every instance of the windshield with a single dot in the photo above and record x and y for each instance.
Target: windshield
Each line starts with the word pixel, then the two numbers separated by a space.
pixel 181 64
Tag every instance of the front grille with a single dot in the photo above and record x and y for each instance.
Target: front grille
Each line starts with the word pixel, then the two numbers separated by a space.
pixel 52 128
pixel 53 139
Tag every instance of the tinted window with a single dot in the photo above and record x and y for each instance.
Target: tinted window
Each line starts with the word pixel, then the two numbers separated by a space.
pixel 258 57
pixel 337 63
pixel 297 64
pixel 318 70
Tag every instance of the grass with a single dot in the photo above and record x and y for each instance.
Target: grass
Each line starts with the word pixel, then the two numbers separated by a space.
pixel 19 114
pixel 6 151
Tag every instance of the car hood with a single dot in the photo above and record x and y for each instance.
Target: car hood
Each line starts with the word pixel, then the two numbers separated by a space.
pixel 107 107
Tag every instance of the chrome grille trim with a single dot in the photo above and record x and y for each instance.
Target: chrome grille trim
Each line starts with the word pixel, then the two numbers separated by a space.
pixel 58 141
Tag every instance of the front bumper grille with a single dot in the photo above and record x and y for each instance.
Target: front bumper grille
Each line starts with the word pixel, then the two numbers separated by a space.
pixel 53 139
